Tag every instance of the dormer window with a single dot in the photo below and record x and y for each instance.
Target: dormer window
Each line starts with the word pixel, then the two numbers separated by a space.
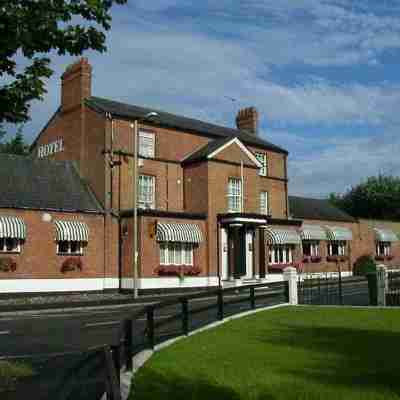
pixel 146 144
pixel 262 158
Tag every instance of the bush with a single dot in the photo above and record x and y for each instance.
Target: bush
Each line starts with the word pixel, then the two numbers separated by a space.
pixel 71 264
pixel 7 264
pixel 364 265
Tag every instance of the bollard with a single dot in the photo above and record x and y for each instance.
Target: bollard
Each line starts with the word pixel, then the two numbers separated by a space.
pixel 290 276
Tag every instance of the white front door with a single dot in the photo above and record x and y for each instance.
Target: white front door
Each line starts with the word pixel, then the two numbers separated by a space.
pixel 249 254
pixel 224 254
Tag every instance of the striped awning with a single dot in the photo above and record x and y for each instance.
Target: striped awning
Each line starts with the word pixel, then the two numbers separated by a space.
pixel 312 232
pixel 338 233
pixel 385 235
pixel 281 236
pixel 71 231
pixel 178 232
pixel 12 227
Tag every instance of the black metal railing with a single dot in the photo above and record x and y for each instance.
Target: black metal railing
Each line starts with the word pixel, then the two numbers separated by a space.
pixel 333 289
pixel 393 289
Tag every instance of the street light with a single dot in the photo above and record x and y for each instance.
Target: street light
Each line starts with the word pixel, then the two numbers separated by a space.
pixel 147 117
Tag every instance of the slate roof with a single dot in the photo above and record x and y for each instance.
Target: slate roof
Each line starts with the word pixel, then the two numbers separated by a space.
pixel 29 183
pixel 307 208
pixel 168 120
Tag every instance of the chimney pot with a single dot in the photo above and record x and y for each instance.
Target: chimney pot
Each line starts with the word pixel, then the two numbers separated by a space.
pixel 247 120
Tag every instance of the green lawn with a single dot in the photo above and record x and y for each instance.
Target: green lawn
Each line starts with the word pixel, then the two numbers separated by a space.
pixel 286 353
pixel 10 372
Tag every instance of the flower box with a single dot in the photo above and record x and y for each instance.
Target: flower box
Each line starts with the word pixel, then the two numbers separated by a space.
pixel 71 264
pixel 380 258
pixel 177 270
pixel 316 259
pixel 332 258
pixel 306 259
pixel 7 264
pixel 389 258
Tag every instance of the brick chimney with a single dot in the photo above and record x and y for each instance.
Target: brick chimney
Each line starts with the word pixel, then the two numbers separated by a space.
pixel 247 120
pixel 76 84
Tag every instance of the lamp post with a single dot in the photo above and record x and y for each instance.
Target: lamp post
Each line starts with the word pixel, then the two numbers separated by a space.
pixel 147 117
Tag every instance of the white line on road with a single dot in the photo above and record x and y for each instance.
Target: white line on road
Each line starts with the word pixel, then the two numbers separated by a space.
pixel 5 332
pixel 103 323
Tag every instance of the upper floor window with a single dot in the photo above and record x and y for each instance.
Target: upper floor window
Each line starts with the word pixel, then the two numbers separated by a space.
pixel 234 195
pixel 146 144
pixel 262 158
pixel 10 245
pixel 146 191
pixel 337 248
pixel 383 248
pixel 264 203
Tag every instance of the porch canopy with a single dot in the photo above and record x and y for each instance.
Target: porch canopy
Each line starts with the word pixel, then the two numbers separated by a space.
pixel 312 232
pixel 73 231
pixel 338 234
pixel 281 236
pixel 179 232
pixel 12 227
pixel 385 235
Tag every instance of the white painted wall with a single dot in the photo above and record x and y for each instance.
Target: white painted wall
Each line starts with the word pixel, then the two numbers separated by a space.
pixel 249 254
pixel 224 254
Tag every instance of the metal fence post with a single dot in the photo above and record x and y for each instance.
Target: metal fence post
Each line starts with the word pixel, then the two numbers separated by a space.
pixel 340 285
pixel 185 316
pixel 113 388
pixel 381 275
pixel 290 275
pixel 220 305
pixel 128 346
pixel 150 326
pixel 116 357
pixel 252 298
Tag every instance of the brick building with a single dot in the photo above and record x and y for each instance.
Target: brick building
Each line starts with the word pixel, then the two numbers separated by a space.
pixel 213 201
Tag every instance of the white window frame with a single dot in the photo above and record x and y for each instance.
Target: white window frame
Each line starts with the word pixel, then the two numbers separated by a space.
pixel 176 253
pixel 341 248
pixel 386 248
pixel 16 245
pixel 146 199
pixel 146 144
pixel 281 254
pixel 314 248
pixel 234 195
pixel 264 203
pixel 262 158
pixel 78 252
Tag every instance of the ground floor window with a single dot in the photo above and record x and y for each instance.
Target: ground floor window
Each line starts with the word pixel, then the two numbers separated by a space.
pixel 337 248
pixel 281 254
pixel 310 248
pixel 69 247
pixel 10 245
pixel 174 253
pixel 383 248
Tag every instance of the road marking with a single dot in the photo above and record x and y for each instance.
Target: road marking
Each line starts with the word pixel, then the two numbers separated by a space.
pixel 5 332
pixel 103 323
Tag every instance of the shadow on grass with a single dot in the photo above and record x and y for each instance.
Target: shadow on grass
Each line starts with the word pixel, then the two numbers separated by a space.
pixel 155 386
pixel 341 356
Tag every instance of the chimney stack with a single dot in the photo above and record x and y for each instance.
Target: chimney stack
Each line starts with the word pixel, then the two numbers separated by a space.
pixel 247 120
pixel 76 84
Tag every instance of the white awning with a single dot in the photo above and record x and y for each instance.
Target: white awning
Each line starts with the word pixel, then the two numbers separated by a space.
pixel 338 233
pixel 12 227
pixel 281 236
pixel 73 231
pixel 178 232
pixel 385 235
pixel 312 232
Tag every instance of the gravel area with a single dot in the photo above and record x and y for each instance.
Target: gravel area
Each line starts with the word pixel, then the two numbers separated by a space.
pixel 63 298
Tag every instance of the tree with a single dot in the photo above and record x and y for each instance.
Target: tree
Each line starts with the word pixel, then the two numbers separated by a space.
pixel 33 28
pixel 15 145
pixel 377 197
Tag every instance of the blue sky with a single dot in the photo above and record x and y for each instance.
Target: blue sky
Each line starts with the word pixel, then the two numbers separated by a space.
pixel 323 74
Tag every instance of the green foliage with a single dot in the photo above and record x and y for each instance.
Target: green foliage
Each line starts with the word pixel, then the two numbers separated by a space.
pixel 377 197
pixel 11 372
pixel 364 265
pixel 15 145
pixel 34 28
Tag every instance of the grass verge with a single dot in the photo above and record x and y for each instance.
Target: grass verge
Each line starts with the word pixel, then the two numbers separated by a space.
pixel 288 353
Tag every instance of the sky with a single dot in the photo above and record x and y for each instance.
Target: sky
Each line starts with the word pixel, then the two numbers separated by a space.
pixel 323 75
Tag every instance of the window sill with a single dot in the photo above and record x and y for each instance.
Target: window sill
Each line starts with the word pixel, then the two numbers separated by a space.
pixel 10 252
pixel 70 254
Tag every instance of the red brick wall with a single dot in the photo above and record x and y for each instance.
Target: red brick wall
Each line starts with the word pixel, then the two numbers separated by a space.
pixel 38 257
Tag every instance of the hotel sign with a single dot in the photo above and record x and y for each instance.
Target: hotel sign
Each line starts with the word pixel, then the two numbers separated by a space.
pixel 51 148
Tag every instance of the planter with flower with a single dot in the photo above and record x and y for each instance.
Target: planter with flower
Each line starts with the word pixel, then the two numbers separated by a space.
pixel 316 259
pixel 177 270
pixel 7 264
pixel 306 259
pixel 71 264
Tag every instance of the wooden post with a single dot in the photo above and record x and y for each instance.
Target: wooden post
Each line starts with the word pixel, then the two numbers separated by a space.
pixel 150 326
pixel 252 298
pixel 220 305
pixel 128 347
pixel 185 316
